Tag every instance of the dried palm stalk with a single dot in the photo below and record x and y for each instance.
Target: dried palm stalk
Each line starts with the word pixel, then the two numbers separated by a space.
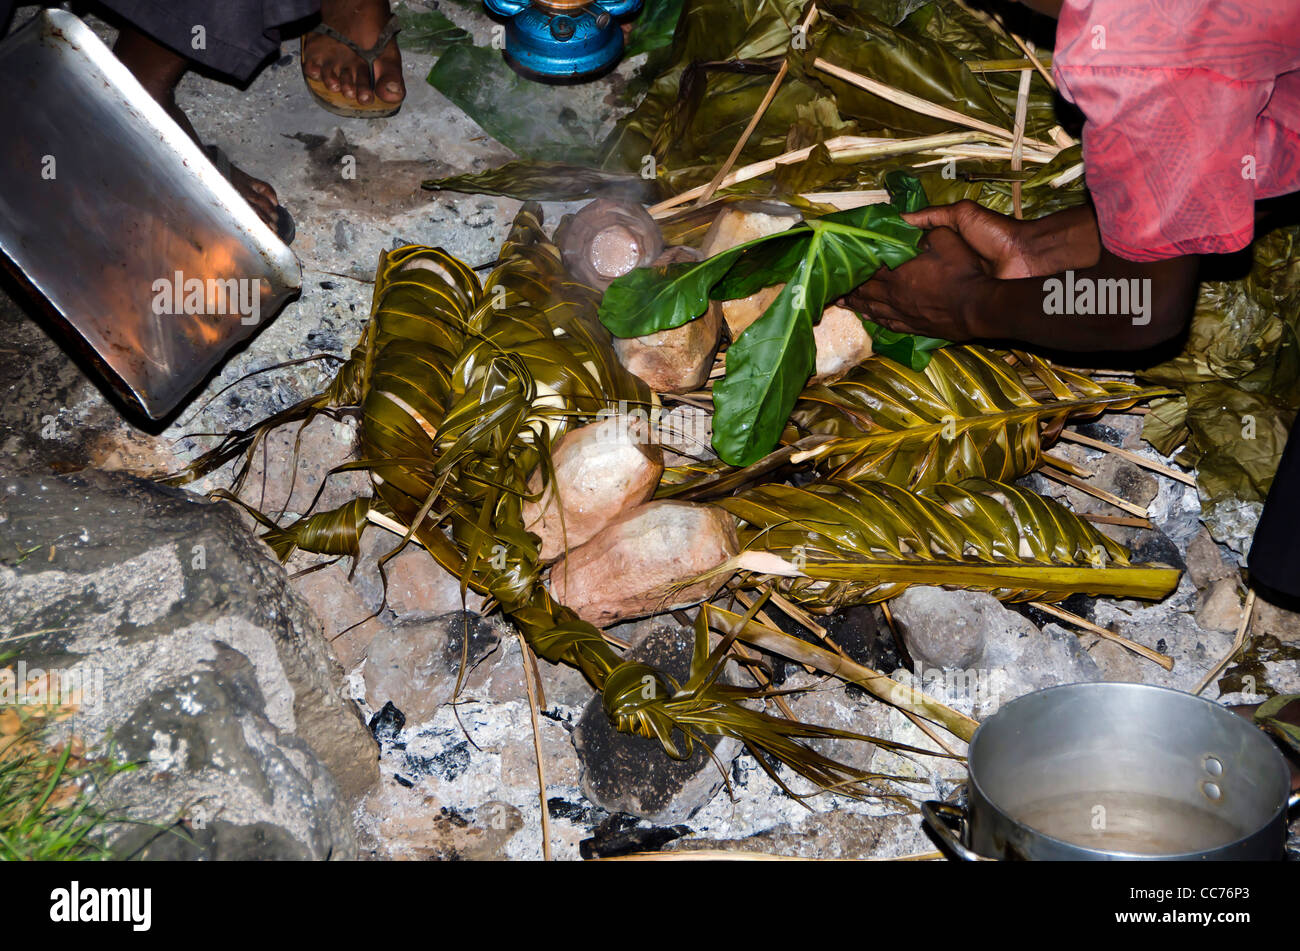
pixel 842 542
pixel 972 413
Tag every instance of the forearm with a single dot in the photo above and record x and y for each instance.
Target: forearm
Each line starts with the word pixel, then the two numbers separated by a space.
pixel 1067 240
pixel 1115 305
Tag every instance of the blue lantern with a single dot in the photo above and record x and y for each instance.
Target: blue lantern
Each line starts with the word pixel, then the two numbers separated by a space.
pixel 563 41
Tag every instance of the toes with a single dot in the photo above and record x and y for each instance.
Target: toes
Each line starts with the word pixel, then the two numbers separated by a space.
pixel 265 209
pixel 364 94
pixel 348 82
pixel 388 81
pixel 263 190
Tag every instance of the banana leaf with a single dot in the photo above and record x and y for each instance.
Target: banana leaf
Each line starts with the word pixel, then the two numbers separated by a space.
pixel 1239 375
pixel 428 31
pixel 723 58
pixel 847 542
pixel 696 110
pixel 548 123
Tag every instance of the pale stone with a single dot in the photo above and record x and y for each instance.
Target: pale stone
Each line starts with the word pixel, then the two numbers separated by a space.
pixel 734 226
pixel 633 566
pixel 601 470
pixel 842 343
pixel 1220 606
pixel 743 311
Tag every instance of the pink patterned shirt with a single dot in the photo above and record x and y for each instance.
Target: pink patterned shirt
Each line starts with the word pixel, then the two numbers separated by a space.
pixel 1193 113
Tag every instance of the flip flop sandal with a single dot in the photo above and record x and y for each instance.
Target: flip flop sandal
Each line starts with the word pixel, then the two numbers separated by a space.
pixel 284 226
pixel 337 102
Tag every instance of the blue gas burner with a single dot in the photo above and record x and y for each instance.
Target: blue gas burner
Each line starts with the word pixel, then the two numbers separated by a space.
pixel 563 41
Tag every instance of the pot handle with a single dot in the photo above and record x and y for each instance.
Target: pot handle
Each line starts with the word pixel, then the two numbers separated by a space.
pixel 939 817
pixel 1293 800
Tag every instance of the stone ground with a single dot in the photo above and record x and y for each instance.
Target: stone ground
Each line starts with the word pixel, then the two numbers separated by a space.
pixel 459 779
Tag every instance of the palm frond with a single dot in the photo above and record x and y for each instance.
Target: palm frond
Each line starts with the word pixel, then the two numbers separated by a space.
pixel 849 542
pixel 972 413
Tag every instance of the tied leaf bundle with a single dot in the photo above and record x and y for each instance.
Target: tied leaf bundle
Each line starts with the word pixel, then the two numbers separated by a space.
pixel 461 396
pixel 972 412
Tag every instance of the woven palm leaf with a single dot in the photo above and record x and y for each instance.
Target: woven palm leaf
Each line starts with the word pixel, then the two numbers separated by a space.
pixel 858 542
pixel 462 389
pixel 972 413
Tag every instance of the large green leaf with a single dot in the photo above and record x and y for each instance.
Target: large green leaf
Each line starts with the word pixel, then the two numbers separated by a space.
pixel 532 119
pixel 819 261
pixel 654 27
pixel 650 299
pixel 771 362
pixel 428 31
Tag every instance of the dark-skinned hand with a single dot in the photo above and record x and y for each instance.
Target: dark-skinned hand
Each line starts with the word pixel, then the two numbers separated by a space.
pixel 928 295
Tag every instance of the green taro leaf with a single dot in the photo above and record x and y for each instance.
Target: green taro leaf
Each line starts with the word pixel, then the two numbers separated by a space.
pixel 650 299
pixel 906 193
pixel 764 266
pixel 654 28
pixel 770 363
pixel 911 350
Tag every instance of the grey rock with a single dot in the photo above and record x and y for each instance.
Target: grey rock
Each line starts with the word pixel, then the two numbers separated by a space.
pixel 1034 659
pixel 418 587
pixel 631 774
pixel 825 835
pixel 1277 621
pixel 1232 522
pixel 945 628
pixel 970 649
pixel 827 702
pixel 1205 563
pixel 293 464
pixel 347 623
pixel 415 665
pixel 1220 606
pixel 210 671
pixel 1125 479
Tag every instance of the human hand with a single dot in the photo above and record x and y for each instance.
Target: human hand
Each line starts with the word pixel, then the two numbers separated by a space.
pixel 936 294
pixel 1003 243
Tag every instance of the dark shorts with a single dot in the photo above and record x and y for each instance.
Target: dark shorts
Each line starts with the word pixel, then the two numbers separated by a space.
pixel 1275 552
pixel 237 35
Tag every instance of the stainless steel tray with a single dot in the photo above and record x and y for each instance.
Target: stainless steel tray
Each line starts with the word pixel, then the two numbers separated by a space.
pixel 105 202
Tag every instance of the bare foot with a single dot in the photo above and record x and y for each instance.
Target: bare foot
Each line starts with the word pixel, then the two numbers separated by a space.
pixel 344 71
pixel 159 70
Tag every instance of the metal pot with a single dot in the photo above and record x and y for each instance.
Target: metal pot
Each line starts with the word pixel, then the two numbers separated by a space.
pixel 1103 771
